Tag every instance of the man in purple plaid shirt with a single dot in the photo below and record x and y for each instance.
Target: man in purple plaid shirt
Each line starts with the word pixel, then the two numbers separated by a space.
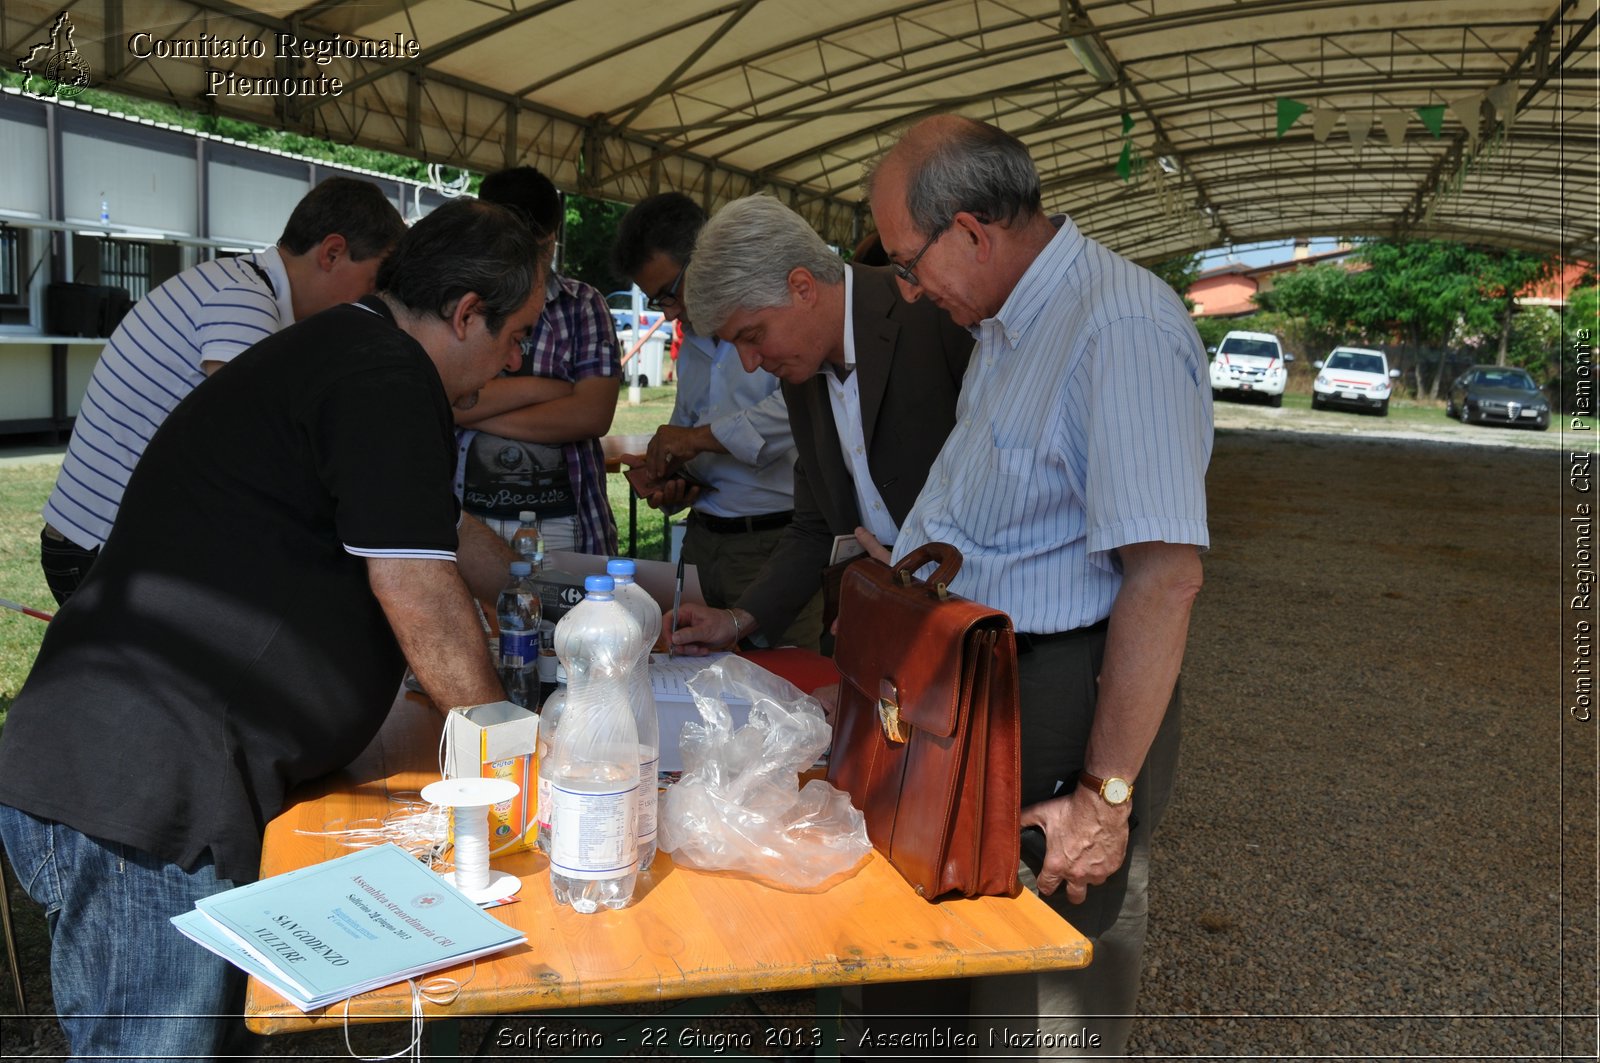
pixel 532 442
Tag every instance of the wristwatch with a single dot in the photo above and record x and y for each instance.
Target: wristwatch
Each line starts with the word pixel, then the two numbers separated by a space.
pixel 1113 791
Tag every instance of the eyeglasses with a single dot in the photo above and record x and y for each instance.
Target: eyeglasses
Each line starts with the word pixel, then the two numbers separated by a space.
pixel 667 298
pixel 908 272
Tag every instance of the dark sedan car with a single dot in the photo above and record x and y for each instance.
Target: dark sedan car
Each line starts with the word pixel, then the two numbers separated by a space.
pixel 1498 394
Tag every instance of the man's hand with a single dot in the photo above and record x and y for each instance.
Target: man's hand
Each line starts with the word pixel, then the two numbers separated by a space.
pixel 870 544
pixel 1085 841
pixel 703 630
pixel 828 697
pixel 669 495
pixel 672 445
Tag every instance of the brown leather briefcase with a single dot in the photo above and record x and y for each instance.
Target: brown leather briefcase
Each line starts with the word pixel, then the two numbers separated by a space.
pixel 926 733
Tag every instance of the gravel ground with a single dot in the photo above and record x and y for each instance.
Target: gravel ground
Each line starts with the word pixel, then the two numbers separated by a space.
pixel 1383 841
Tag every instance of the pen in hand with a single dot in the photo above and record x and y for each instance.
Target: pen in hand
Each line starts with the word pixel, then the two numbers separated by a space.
pixel 677 600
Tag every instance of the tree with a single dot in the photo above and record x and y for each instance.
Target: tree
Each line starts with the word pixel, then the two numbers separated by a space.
pixel 1505 274
pixel 1179 273
pixel 1580 322
pixel 586 249
pixel 1322 301
pixel 1430 293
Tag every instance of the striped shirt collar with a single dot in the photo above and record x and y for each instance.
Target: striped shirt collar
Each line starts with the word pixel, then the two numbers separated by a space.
pixel 1038 285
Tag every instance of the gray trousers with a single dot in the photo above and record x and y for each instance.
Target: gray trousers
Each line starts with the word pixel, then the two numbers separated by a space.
pixel 1089 1012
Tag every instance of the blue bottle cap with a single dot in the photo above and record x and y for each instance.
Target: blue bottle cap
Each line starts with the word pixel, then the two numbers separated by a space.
pixel 599 584
pixel 620 567
pixel 521 568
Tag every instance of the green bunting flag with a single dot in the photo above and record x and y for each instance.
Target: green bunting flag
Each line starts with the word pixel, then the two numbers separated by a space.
pixel 1127 123
pixel 1433 118
pixel 1289 112
pixel 1125 162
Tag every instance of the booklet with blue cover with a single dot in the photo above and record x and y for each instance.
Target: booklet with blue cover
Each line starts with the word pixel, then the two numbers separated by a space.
pixel 335 929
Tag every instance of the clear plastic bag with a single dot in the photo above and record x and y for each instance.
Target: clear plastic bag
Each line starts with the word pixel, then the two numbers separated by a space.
pixel 739 806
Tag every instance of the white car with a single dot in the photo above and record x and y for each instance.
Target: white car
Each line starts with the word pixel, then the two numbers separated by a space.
pixel 1357 377
pixel 1249 363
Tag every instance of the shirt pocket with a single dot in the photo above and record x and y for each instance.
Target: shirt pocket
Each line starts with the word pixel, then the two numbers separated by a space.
pixel 1001 495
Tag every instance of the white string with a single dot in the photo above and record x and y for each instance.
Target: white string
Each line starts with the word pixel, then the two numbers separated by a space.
pixel 441 992
pixel 472 846
pixel 420 829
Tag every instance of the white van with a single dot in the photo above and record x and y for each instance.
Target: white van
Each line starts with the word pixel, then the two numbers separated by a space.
pixel 1249 363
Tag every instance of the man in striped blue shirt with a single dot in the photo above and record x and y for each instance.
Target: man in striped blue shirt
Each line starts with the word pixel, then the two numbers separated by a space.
pixel 1074 486
pixel 188 328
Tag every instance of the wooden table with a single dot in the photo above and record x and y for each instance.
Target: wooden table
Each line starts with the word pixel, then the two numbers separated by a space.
pixel 614 447
pixel 688 934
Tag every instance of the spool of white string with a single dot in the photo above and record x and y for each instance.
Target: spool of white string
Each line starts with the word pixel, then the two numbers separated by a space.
pixel 472 847
pixel 470 800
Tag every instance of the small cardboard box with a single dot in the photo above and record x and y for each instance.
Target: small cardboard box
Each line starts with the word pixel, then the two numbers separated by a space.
pixel 497 741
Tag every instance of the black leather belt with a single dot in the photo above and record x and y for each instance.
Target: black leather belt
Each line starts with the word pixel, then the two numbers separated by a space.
pixel 1027 641
pixel 738 525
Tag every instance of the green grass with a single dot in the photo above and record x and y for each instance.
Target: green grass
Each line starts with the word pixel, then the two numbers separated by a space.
pixel 1425 411
pixel 22 493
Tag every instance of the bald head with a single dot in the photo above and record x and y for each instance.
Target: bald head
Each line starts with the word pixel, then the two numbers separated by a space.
pixel 958 207
pixel 947 163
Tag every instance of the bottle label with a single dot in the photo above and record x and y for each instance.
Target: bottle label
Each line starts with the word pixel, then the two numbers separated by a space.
pixel 649 765
pixel 518 647
pixel 592 832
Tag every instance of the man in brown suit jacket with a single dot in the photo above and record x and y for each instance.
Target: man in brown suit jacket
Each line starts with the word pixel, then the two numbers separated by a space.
pixel 871 383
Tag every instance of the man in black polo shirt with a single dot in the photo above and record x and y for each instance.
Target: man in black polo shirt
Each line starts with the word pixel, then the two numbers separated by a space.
pixel 287 544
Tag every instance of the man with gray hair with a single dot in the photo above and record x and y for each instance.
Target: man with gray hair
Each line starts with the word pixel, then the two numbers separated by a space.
pixel 1074 486
pixel 871 382
pixel 729 429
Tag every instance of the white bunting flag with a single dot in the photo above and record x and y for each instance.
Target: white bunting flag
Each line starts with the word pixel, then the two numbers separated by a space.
pixel 1323 119
pixel 1468 110
pixel 1358 126
pixel 1394 127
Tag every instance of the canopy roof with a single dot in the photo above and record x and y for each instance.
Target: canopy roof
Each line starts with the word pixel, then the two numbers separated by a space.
pixel 1155 123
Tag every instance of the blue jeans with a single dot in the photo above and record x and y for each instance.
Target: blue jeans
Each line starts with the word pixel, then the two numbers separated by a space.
pixel 126 982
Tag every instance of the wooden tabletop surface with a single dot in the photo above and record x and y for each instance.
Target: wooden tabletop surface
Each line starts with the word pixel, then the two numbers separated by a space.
pixel 687 933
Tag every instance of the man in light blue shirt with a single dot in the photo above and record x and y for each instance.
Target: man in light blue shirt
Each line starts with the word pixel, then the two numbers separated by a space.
pixel 1074 486
pixel 729 429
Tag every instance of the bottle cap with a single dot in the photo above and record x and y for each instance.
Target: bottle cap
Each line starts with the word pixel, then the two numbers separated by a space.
pixel 521 568
pixel 599 584
pixel 527 516
pixel 621 567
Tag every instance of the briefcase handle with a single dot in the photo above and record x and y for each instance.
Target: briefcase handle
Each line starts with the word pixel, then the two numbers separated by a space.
pixel 947 557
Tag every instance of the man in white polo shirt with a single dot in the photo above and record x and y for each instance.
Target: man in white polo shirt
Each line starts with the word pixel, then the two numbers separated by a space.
pixel 1074 486
pixel 188 328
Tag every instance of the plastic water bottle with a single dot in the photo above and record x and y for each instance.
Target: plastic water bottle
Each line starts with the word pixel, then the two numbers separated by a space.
pixel 105 210
pixel 642 699
pixel 549 719
pixel 518 612
pixel 528 540
pixel 594 760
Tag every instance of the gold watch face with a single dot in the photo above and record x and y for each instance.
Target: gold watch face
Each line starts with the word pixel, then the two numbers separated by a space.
pixel 1116 791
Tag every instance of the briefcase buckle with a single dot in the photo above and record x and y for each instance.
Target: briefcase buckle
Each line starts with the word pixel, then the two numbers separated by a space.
pixel 889 712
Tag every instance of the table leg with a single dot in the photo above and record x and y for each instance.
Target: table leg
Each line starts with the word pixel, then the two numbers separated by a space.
pixel 633 524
